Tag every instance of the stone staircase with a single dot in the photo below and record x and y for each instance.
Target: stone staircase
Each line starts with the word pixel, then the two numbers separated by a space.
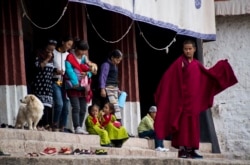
pixel 134 151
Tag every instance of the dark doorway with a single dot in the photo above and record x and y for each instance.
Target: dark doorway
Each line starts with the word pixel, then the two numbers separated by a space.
pixel 99 25
pixel 43 14
pixel 153 63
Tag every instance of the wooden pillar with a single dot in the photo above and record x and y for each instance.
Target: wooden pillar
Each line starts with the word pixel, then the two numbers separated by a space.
pixel 75 21
pixel 128 70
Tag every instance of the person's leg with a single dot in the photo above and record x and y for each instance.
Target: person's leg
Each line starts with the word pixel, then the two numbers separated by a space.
pixel 150 134
pixel 65 111
pixel 83 107
pixel 193 153
pixel 117 143
pixel 188 137
pixel 58 104
pixel 112 94
pixel 44 120
pixel 104 137
pixel 74 101
pixel 158 143
pixel 50 117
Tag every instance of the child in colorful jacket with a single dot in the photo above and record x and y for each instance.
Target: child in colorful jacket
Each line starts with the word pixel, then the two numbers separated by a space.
pixel 94 127
pixel 117 133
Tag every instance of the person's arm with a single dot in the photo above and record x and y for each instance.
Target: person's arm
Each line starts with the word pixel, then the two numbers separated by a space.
pixel 149 123
pixel 86 62
pixel 71 74
pixel 46 60
pixel 103 78
pixel 103 75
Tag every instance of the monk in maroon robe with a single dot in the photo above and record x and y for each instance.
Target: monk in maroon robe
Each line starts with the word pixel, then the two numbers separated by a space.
pixel 186 89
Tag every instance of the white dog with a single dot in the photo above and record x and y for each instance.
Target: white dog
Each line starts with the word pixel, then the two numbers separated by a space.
pixel 30 112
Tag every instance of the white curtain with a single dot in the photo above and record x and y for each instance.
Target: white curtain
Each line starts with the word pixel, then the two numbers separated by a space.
pixel 194 18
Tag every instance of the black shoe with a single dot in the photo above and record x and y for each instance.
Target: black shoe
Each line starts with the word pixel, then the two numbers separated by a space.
pixel 4 125
pixel 193 154
pixel 183 153
pixel 106 145
pixel 119 145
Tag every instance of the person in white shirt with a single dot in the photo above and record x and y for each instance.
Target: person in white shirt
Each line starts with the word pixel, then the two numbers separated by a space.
pixel 61 102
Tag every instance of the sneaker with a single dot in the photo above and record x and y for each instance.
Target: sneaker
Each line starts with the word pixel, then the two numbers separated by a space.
pixel 165 149
pixel 79 130
pixel 85 132
pixel 161 149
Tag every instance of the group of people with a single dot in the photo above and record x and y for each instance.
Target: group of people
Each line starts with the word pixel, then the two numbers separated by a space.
pixel 62 77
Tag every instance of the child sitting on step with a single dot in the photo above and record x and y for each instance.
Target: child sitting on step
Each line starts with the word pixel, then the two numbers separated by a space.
pixel 93 125
pixel 117 133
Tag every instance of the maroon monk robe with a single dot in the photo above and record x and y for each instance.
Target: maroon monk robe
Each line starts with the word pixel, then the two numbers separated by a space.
pixel 184 92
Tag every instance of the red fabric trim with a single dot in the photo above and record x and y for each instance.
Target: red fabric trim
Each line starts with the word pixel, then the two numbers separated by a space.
pixel 107 119
pixel 71 58
pixel 82 68
pixel 94 120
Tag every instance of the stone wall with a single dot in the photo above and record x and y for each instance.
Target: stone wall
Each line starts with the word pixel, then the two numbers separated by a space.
pixel 231 109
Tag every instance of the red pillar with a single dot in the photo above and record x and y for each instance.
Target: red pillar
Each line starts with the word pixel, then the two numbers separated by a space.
pixel 12 66
pixel 12 62
pixel 128 69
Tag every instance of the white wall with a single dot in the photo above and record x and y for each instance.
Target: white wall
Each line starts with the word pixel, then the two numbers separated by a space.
pixel 231 109
pixel 10 96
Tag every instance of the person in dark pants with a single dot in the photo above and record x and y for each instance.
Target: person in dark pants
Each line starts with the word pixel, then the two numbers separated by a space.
pixel 75 91
pixel 146 129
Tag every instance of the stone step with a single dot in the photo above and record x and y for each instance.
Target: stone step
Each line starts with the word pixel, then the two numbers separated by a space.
pixel 28 139
pixel 134 151
pixel 113 159
pixel 17 141
pixel 20 146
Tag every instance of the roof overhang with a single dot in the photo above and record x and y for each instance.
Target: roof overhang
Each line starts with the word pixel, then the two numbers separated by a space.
pixel 195 18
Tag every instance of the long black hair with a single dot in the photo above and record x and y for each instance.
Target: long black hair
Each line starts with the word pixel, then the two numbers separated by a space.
pixel 65 39
pixel 115 54
pixel 81 44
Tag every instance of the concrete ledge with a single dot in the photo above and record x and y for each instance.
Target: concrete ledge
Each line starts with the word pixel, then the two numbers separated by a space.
pixel 88 140
pixel 21 141
pixel 135 151
pixel 111 159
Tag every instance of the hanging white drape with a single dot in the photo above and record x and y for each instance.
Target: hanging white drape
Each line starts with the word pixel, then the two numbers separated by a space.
pixel 195 18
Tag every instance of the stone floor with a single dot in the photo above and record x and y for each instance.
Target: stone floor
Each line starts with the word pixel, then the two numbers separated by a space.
pixel 135 151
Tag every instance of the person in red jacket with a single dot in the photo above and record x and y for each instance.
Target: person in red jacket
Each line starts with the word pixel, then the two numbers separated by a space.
pixel 186 89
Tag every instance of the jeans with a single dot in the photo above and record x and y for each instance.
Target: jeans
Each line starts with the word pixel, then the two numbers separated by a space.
pixel 151 134
pixel 79 107
pixel 61 106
